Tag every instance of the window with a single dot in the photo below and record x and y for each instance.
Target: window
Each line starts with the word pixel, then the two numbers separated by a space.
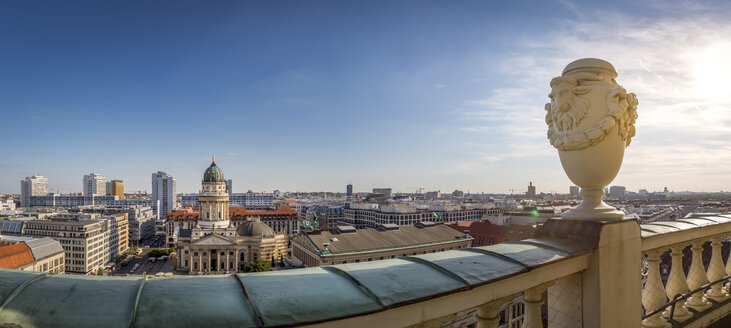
pixel 231 253
pixel 205 253
pixel 195 253
pixel 223 253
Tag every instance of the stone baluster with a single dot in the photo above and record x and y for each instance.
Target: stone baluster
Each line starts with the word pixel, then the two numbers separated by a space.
pixel 653 295
pixel 716 271
pixel 676 285
pixel 533 300
pixel 697 277
pixel 488 315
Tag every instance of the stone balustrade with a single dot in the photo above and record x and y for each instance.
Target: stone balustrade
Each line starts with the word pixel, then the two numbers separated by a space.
pixel 412 291
pixel 708 303
pixel 587 274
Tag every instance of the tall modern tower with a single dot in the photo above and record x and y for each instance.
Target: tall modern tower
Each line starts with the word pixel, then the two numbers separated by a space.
pixel 95 185
pixel 230 186
pixel 349 190
pixel 163 189
pixel 213 199
pixel 116 188
pixel 32 186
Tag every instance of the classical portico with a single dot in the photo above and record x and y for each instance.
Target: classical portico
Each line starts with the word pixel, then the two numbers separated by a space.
pixel 214 245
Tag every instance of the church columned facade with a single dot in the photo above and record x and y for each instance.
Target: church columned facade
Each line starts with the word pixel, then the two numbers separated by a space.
pixel 214 244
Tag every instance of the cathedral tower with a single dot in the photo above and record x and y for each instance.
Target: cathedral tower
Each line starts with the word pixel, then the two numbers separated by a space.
pixel 213 199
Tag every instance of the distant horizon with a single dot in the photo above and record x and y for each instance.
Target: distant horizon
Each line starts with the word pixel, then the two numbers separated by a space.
pixel 313 96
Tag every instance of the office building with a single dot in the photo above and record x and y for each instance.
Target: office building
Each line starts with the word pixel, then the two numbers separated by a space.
pixel 229 186
pixel 163 189
pixel 349 190
pixel 250 199
pixel 140 218
pixel 385 192
pixel 617 192
pixel 367 215
pixel 7 205
pixel 574 191
pixel 116 188
pixel 432 195
pixel 531 193
pixel 32 186
pixel 84 238
pixel 95 185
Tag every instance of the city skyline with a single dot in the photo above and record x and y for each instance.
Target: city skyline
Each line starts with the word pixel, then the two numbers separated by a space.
pixel 438 96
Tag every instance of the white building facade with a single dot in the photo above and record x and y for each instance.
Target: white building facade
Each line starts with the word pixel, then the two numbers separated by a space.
pixel 32 186
pixel 95 185
pixel 163 189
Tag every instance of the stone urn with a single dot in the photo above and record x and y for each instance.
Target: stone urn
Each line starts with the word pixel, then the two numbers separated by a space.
pixel 590 121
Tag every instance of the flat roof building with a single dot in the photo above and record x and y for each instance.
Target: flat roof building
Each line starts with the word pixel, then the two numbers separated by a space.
pixel 349 245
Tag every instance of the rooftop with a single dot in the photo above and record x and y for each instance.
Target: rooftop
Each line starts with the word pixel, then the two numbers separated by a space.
pixel 372 239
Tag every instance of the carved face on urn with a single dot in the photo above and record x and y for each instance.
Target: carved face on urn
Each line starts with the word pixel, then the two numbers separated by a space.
pixel 570 105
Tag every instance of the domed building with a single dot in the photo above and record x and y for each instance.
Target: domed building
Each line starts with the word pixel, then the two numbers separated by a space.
pixel 215 245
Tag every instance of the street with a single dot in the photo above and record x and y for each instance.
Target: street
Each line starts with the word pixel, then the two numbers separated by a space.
pixel 145 266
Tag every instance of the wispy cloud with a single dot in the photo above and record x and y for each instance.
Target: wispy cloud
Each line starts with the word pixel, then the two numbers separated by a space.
pixel 683 132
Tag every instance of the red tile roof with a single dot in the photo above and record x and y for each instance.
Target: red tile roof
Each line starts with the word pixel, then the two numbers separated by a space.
pixel 233 211
pixel 15 256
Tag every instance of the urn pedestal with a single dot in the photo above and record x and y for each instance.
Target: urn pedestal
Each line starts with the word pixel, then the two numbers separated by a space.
pixel 590 122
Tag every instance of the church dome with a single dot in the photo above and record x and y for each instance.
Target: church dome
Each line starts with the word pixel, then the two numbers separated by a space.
pixel 253 227
pixel 213 173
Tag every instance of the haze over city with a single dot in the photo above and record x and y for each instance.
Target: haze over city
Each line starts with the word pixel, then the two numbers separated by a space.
pixel 312 96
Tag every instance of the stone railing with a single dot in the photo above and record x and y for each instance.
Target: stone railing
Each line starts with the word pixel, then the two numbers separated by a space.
pixel 423 290
pixel 672 302
pixel 588 272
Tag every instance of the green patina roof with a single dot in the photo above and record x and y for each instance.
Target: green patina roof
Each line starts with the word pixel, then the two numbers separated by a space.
pixel 213 174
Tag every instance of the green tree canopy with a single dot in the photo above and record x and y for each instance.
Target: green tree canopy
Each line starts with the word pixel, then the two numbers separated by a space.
pixel 258 266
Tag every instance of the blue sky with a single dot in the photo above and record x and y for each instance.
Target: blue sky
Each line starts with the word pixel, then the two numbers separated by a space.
pixel 304 96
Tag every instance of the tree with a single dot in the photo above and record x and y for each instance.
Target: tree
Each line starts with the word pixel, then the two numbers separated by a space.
pixel 257 266
pixel 100 272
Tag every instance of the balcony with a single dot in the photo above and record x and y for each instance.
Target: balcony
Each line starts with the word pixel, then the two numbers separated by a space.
pixel 586 273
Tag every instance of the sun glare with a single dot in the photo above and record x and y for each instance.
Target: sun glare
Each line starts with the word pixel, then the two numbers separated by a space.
pixel 713 70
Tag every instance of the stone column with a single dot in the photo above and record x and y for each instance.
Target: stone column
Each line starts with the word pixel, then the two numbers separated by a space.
pixel 227 267
pixel 653 295
pixel 236 260
pixel 200 261
pixel 676 285
pixel 697 277
pixel 487 314
pixel 190 263
pixel 716 271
